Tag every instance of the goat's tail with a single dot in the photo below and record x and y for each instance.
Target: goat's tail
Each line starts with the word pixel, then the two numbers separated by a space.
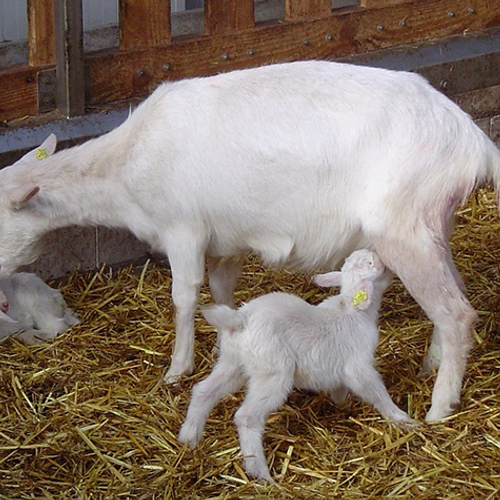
pixel 493 168
pixel 492 161
pixel 223 317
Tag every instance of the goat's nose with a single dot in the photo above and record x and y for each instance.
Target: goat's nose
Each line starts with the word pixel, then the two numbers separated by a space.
pixel 5 306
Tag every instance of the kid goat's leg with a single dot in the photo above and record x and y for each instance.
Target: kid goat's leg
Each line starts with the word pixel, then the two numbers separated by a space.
pixel 427 273
pixel 266 393
pixel 366 382
pixel 225 379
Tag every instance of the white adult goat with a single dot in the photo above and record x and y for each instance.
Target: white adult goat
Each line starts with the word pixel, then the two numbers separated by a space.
pixel 301 163
pixel 278 341
pixel 36 312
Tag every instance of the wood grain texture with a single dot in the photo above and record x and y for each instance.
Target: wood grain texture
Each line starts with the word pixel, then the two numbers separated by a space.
pixel 304 9
pixel 373 4
pixel 18 93
pixel 224 16
pixel 123 74
pixel 338 35
pixel 144 23
pixel 41 29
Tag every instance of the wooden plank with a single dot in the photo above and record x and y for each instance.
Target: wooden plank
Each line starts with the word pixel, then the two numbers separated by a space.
pixel 373 4
pixel 41 37
pixel 18 93
pixel 124 74
pixel 303 9
pixel 144 23
pixel 224 16
pixel 338 35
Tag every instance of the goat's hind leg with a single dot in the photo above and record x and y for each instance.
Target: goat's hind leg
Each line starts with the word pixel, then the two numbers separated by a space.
pixel 225 379
pixel 425 268
pixel 222 277
pixel 433 358
pixel 266 393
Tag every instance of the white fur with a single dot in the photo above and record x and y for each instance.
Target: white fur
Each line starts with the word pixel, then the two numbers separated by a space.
pixel 278 341
pixel 35 312
pixel 301 163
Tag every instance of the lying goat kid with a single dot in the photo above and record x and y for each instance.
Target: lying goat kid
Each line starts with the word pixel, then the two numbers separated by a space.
pixel 35 311
pixel 278 341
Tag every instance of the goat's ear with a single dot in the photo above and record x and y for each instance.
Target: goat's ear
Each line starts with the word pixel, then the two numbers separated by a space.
pixel 222 316
pixel 363 296
pixel 19 196
pixel 43 151
pixel 7 318
pixel 328 279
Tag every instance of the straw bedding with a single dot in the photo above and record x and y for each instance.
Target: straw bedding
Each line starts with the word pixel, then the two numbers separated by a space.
pixel 86 415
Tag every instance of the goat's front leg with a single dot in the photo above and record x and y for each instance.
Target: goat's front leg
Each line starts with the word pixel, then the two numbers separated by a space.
pixel 366 382
pixel 186 255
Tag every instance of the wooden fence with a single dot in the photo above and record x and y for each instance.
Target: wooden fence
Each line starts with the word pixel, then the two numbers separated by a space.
pixel 148 54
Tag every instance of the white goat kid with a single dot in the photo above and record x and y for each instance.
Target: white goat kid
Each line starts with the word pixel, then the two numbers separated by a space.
pixel 301 163
pixel 36 312
pixel 278 341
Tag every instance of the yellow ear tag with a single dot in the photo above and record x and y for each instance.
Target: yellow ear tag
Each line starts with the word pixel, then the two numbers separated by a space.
pixel 359 296
pixel 41 153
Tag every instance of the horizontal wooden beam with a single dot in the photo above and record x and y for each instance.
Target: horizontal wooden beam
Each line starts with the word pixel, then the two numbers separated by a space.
pixel 372 4
pixel 122 74
pixel 18 92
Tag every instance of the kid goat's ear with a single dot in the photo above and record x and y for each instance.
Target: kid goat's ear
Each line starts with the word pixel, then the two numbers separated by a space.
pixel 43 151
pixel 333 278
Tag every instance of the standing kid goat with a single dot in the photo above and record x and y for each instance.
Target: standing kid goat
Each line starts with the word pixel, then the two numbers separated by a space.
pixel 278 341
pixel 301 163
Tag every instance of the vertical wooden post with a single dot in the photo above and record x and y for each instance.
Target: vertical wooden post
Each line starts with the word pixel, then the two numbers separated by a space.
pixel 301 9
pixel 70 96
pixel 41 33
pixel 222 16
pixel 144 23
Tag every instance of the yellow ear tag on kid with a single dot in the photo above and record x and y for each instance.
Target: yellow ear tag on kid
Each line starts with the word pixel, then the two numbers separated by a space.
pixel 359 296
pixel 41 154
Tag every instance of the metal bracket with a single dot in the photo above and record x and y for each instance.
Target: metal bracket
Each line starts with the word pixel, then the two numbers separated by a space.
pixel 46 83
pixel 47 89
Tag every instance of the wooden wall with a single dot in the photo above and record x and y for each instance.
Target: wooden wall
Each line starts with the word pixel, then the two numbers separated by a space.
pixel 232 39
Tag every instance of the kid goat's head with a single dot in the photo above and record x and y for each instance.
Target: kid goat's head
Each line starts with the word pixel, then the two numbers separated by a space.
pixel 361 272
